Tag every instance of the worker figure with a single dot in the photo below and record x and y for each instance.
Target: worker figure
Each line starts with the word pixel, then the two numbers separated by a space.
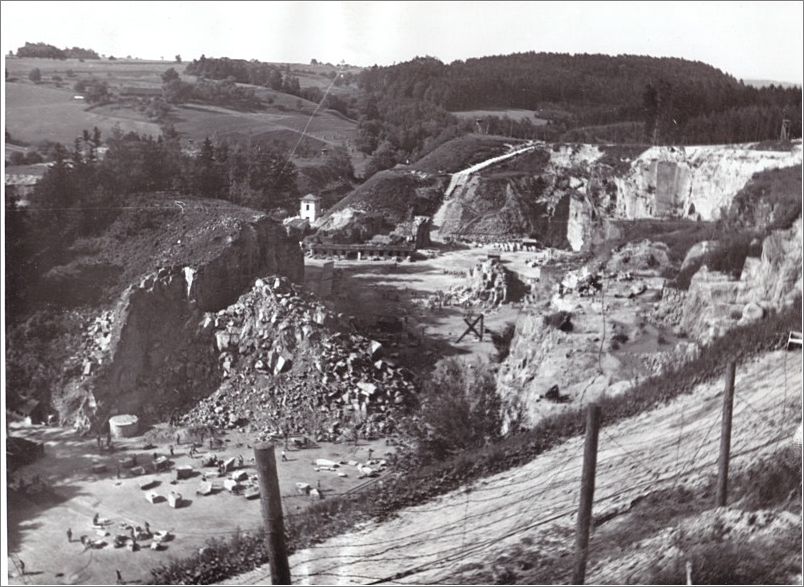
pixel 171 451
pixel 95 519
pixel 370 451
pixel 69 535
pixel 178 439
pixel 147 527
pixel 284 456
pixel 119 578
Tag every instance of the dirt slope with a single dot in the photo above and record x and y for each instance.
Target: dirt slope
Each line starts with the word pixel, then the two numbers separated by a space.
pixel 673 444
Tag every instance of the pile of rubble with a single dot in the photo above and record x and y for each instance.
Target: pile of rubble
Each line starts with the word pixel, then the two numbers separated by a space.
pixel 287 369
pixel 490 285
pixel 583 282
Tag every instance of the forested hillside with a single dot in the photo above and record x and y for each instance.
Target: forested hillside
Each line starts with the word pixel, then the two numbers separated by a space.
pixel 598 97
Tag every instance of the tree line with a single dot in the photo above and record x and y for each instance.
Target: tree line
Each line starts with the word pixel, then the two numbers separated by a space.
pixel 45 51
pixel 276 77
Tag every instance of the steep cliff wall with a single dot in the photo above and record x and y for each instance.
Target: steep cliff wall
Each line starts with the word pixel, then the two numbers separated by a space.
pixel 697 182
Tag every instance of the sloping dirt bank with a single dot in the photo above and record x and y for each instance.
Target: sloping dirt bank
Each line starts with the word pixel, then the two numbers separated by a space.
pixel 675 444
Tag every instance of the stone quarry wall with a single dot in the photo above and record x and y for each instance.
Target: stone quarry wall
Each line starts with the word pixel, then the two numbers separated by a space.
pixel 716 302
pixel 697 182
pixel 148 355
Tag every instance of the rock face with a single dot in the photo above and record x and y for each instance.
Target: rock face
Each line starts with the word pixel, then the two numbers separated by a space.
pixel 561 194
pixel 148 355
pixel 716 302
pixel 696 182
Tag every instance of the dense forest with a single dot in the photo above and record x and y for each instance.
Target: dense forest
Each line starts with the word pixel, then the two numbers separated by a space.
pixel 672 100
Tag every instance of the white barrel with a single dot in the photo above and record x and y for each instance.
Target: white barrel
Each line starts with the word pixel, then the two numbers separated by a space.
pixel 124 426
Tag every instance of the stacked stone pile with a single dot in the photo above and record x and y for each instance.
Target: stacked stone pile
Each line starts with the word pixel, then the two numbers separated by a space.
pixel 489 284
pixel 287 368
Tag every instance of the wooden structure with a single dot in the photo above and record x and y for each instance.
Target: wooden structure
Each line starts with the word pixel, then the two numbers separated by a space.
pixel 471 323
pixel 362 251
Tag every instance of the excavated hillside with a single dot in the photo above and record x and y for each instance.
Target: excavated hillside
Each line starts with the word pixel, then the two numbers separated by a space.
pixel 139 348
pixel 561 194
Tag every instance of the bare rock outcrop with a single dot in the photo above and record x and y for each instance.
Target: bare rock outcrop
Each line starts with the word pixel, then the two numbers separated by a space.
pixel 717 302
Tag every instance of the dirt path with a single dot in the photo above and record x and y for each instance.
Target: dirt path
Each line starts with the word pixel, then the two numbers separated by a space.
pixel 677 443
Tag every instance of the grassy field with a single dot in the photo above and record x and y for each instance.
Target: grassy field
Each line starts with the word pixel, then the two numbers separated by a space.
pixel 38 113
pixel 118 72
pixel 48 111
pixel 197 122
pixel 512 113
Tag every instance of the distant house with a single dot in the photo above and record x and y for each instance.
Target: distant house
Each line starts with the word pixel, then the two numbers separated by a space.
pixel 310 207
pixel 136 92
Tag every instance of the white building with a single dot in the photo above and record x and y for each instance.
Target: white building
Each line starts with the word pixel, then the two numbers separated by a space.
pixel 310 207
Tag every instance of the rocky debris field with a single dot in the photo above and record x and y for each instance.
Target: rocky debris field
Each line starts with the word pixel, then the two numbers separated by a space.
pixel 291 366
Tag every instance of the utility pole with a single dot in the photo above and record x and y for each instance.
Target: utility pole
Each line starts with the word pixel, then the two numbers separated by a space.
pixel 587 493
pixel 725 436
pixel 271 504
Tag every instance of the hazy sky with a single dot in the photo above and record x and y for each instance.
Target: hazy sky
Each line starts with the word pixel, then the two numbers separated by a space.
pixel 750 40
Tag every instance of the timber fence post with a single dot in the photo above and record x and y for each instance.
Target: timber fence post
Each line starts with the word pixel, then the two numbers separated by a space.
pixel 725 436
pixel 271 504
pixel 587 493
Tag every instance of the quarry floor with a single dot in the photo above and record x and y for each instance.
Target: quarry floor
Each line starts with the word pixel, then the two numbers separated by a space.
pixel 37 525
pixel 534 505
pixel 370 290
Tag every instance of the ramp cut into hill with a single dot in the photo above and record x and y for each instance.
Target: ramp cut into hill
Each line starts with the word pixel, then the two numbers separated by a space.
pixel 535 504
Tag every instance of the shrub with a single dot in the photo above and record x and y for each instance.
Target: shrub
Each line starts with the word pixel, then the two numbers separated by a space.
pixel 502 341
pixel 559 320
pixel 740 562
pixel 459 410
